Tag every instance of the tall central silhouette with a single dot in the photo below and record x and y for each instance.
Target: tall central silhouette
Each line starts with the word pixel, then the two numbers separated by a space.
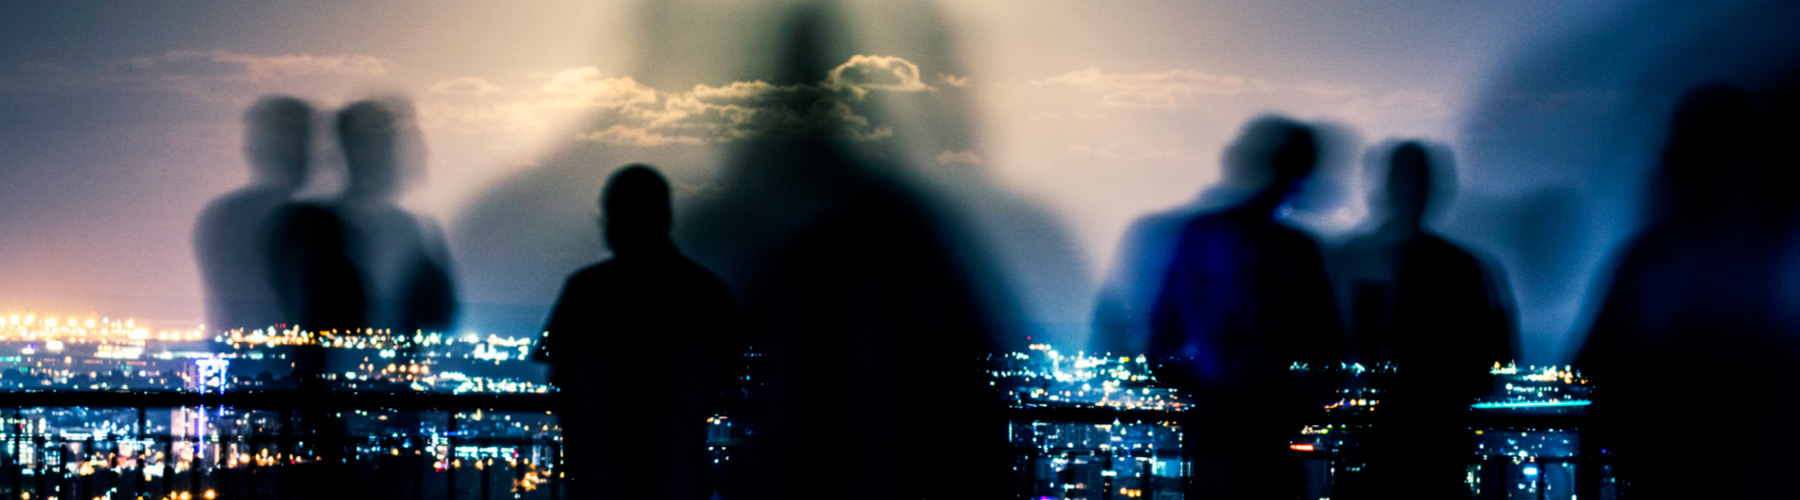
pixel 631 428
pixel 1433 309
pixel 1244 297
pixel 866 304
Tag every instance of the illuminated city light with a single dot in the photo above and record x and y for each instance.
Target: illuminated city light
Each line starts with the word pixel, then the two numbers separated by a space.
pixel 1531 404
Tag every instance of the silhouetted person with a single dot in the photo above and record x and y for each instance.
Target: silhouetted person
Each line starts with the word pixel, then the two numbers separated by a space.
pixel 1121 321
pixel 1686 352
pixel 403 260
pixel 233 234
pixel 867 309
pixel 1245 296
pixel 319 290
pixel 295 251
pixel 1435 311
pixel 641 345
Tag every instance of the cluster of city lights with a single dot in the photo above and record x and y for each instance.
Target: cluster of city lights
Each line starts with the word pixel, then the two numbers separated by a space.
pixel 1046 377
pixel 74 330
pixel 1534 388
pixel 1127 458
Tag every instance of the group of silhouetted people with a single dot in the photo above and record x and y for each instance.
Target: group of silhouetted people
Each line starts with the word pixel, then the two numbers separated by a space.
pixel 341 265
pixel 1235 298
pixel 1688 348
pixel 348 262
pixel 873 326
pixel 1236 295
pixel 870 320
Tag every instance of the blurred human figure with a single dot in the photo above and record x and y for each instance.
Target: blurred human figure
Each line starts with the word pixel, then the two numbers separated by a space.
pixel 1434 310
pixel 1694 298
pixel 1245 296
pixel 317 288
pixel 1121 320
pixel 270 260
pixel 233 234
pixel 402 258
pixel 631 428
pixel 866 306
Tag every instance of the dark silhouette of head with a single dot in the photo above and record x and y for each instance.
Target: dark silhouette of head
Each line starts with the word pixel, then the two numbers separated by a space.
pixel 1272 155
pixel 635 207
pixel 278 141
pixel 369 132
pixel 1418 184
pixel 1705 161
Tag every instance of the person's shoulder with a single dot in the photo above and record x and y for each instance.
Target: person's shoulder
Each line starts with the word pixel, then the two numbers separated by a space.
pixel 224 203
pixel 596 269
pixel 242 203
pixel 1446 249
pixel 590 274
pixel 1208 224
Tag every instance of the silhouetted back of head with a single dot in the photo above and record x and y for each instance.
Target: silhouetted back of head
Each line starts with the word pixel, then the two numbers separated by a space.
pixel 636 206
pixel 1415 184
pixel 1272 152
pixel 369 133
pixel 1710 137
pixel 278 140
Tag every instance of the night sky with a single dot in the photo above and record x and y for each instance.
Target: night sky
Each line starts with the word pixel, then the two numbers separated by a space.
pixel 1050 125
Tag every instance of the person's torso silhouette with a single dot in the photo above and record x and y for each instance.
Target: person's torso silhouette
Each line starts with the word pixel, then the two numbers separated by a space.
pixel 641 345
pixel 234 234
pixel 1433 309
pixel 1695 298
pixel 1245 297
pixel 401 257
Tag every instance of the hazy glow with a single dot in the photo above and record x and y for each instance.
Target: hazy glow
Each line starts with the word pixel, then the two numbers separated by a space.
pixel 1094 113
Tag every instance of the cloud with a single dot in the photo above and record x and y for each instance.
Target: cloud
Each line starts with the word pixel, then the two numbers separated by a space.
pixel 220 66
pixel 620 134
pixel 584 89
pixel 863 73
pixel 465 86
pixel 1172 88
pixel 624 111
pixel 953 80
pixel 1403 106
pixel 1159 89
pixel 217 74
pixel 949 157
pixel 276 67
